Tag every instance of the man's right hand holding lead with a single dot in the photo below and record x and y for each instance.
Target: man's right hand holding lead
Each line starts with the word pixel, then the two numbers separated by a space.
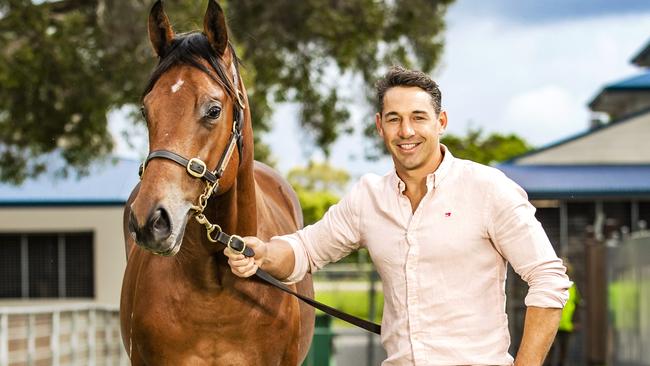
pixel 243 266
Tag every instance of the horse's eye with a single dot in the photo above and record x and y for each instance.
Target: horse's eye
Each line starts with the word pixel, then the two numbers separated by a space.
pixel 143 112
pixel 214 112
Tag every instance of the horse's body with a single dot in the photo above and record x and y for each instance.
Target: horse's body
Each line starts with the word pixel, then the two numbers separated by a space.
pixel 189 309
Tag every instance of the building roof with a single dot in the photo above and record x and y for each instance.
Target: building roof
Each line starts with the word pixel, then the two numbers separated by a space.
pixel 638 82
pixel 580 181
pixel 642 59
pixel 623 97
pixel 598 146
pixel 109 183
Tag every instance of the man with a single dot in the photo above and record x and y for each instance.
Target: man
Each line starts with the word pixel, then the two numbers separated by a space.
pixel 439 231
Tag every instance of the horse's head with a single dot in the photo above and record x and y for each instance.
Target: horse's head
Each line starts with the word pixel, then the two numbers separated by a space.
pixel 194 107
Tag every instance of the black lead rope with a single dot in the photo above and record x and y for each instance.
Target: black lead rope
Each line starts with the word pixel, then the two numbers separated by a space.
pixel 235 243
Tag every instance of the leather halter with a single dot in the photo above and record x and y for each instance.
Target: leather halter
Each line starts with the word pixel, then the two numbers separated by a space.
pixel 195 166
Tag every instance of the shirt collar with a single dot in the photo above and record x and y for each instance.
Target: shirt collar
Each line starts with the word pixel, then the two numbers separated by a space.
pixel 433 179
pixel 443 168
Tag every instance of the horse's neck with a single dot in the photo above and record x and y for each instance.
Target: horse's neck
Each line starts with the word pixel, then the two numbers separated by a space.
pixel 236 210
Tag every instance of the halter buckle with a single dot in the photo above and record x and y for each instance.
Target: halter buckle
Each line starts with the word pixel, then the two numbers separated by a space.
pixel 193 172
pixel 233 236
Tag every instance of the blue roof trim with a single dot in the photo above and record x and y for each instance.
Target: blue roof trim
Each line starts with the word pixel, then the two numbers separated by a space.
pixel 577 136
pixel 580 181
pixel 109 183
pixel 639 82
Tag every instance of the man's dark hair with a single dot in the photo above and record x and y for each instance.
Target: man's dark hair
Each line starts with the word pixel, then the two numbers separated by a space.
pixel 399 76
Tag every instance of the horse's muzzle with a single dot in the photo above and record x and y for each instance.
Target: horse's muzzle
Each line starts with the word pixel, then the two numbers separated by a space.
pixel 155 234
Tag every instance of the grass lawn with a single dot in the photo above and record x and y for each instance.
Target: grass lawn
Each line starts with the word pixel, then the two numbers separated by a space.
pixel 351 302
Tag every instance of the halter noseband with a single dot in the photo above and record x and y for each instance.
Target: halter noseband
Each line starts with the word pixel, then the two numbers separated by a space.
pixel 197 168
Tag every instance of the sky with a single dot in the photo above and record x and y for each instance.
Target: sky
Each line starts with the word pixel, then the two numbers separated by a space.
pixel 523 67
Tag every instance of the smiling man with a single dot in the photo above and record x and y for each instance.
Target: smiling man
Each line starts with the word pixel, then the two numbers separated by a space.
pixel 440 231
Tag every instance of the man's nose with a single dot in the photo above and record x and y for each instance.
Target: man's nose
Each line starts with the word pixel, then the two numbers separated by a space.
pixel 406 129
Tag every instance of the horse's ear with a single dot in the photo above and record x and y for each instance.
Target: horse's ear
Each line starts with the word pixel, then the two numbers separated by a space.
pixel 214 27
pixel 161 33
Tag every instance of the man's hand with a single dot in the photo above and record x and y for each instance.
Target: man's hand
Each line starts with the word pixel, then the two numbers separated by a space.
pixel 243 266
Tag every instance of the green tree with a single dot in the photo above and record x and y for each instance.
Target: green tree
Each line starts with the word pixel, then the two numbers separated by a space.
pixel 490 149
pixel 319 186
pixel 65 63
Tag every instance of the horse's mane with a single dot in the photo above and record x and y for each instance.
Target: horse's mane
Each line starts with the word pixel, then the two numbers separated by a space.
pixel 190 48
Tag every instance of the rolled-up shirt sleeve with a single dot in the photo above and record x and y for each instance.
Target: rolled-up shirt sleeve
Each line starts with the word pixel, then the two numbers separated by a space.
pixel 328 240
pixel 521 240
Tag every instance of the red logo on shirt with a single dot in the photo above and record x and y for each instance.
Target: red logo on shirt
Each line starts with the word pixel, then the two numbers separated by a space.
pixel 447 214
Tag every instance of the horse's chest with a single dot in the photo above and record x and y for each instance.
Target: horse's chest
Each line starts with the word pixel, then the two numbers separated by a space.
pixel 181 328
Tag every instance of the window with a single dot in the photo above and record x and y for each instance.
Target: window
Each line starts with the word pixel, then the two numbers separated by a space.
pixel 46 265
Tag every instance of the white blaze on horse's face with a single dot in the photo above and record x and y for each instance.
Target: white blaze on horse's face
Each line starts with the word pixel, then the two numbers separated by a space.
pixel 176 87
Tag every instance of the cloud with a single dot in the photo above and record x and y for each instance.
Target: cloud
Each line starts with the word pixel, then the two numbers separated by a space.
pixel 491 69
pixel 543 114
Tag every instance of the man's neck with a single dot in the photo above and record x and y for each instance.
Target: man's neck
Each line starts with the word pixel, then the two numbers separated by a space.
pixel 416 180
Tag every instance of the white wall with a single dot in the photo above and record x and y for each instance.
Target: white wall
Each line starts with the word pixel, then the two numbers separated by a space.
pixel 104 222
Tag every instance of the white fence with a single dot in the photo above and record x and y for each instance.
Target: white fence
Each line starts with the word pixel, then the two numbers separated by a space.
pixel 61 335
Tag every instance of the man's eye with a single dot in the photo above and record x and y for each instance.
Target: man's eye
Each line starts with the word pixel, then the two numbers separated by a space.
pixel 214 112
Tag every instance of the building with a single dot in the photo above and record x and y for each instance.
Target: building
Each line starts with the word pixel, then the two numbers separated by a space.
pixel 592 191
pixel 62 259
pixel 63 237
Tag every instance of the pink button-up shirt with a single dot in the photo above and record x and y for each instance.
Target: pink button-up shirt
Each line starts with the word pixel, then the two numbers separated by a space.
pixel 443 267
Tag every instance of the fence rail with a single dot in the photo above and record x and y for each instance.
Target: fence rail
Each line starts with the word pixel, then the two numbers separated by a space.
pixel 61 335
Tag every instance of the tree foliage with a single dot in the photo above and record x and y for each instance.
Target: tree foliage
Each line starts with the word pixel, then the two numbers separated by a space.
pixel 65 63
pixel 490 149
pixel 319 186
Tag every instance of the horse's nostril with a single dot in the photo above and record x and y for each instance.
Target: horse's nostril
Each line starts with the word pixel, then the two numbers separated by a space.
pixel 160 224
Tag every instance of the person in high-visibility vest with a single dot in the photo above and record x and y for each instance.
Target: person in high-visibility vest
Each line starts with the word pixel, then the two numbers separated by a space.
pixel 568 323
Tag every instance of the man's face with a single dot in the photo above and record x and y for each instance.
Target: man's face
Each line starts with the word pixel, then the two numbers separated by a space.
pixel 410 128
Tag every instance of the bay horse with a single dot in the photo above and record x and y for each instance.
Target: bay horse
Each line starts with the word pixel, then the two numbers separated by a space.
pixel 180 303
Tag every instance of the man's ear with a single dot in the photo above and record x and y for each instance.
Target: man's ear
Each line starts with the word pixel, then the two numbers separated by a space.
pixel 442 119
pixel 380 130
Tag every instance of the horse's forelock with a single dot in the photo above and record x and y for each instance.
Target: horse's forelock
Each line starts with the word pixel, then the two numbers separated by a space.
pixel 190 49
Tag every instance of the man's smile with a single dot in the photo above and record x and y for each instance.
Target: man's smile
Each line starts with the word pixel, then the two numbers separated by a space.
pixel 408 146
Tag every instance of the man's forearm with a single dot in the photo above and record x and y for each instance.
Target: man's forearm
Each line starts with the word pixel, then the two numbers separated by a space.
pixel 540 327
pixel 279 260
